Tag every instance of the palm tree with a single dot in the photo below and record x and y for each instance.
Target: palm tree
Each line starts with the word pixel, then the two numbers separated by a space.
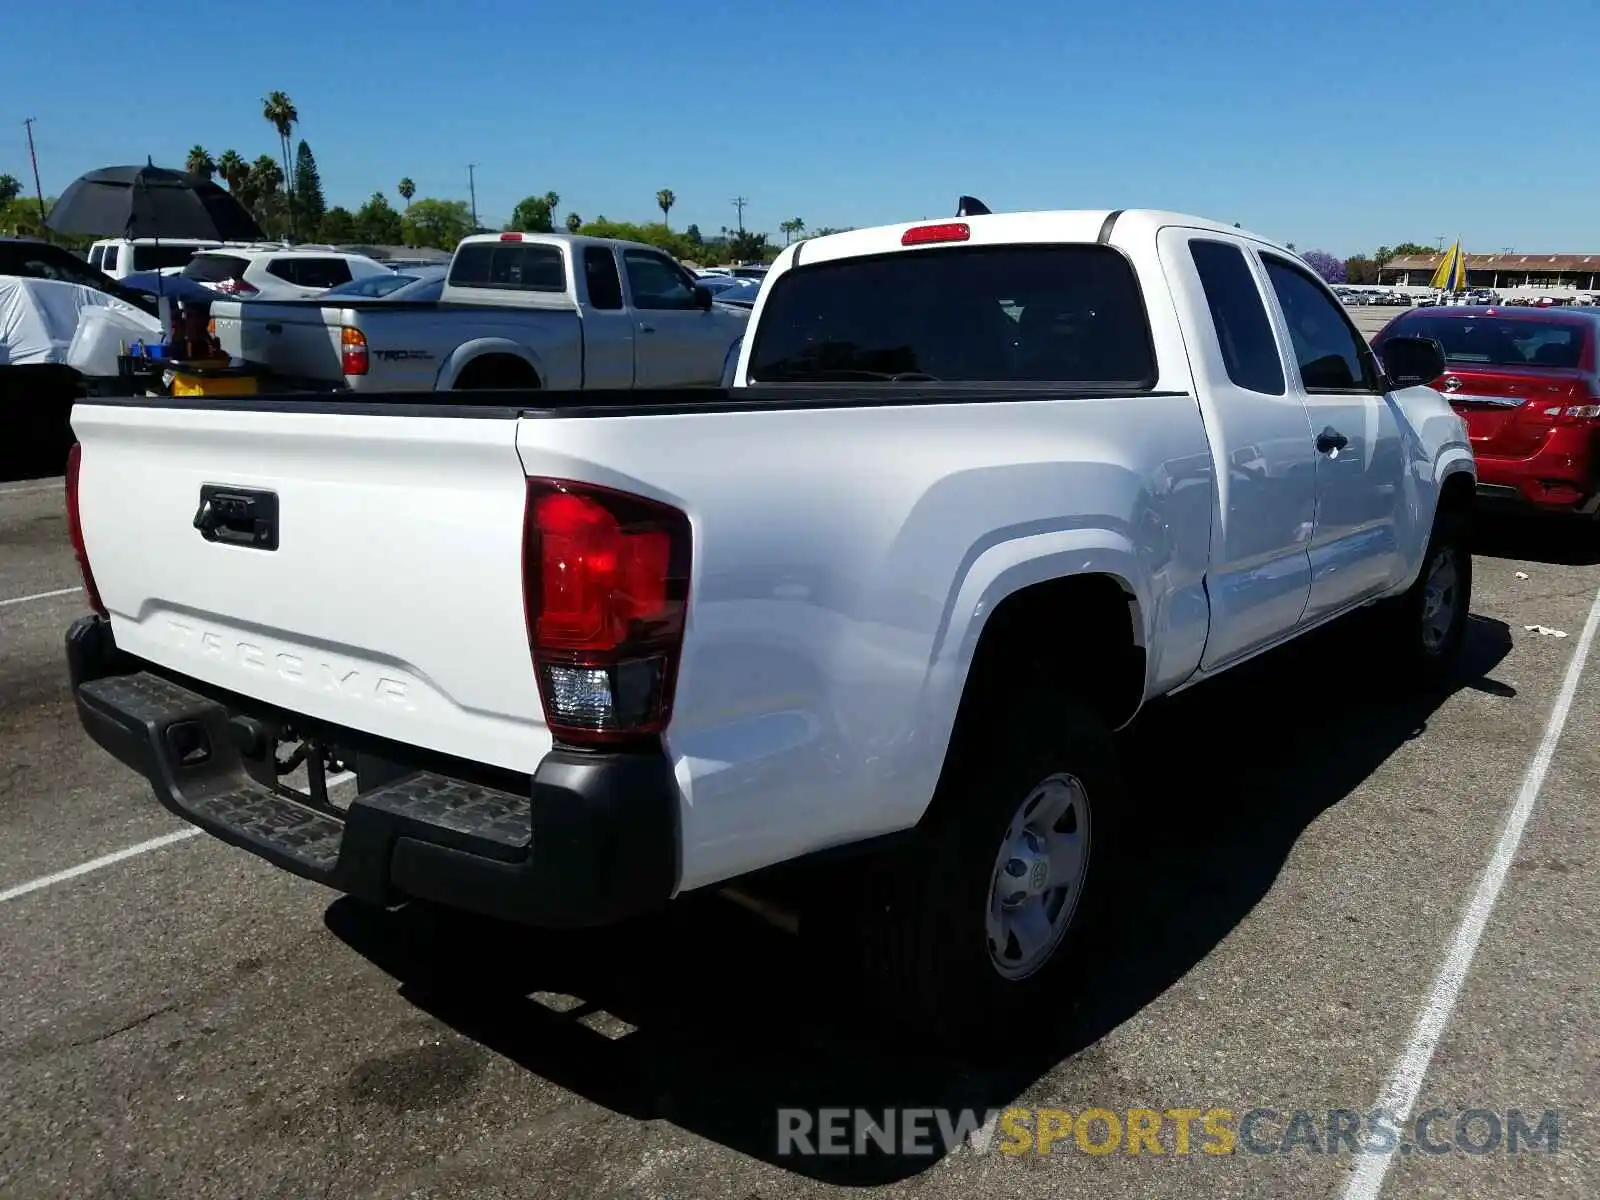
pixel 791 229
pixel 279 112
pixel 552 201
pixel 233 169
pixel 574 222
pixel 200 162
pixel 407 189
pixel 664 201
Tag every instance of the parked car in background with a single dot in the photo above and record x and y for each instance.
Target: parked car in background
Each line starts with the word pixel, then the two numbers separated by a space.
pixel 121 257
pixel 540 310
pixel 376 287
pixel 30 258
pixel 1527 382
pixel 278 274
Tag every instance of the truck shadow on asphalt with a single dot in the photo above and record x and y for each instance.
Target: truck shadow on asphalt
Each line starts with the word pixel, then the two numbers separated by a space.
pixel 1557 542
pixel 711 1019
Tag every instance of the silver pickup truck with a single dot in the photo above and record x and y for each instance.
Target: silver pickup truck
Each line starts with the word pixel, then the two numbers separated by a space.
pixel 518 310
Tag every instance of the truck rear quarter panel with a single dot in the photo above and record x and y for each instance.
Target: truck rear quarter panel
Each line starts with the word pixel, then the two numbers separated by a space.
pixel 844 562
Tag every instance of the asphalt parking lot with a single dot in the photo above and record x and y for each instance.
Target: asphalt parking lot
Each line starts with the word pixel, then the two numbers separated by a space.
pixel 188 1021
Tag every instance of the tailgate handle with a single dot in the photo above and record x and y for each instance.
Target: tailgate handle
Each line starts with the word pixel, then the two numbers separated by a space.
pixel 238 516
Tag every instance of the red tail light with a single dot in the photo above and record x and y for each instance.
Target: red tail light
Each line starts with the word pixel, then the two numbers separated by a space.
pixel 75 530
pixel 237 287
pixel 353 357
pixel 922 235
pixel 606 587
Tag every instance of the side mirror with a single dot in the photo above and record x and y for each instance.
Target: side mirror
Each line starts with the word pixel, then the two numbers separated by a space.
pixel 702 298
pixel 1410 361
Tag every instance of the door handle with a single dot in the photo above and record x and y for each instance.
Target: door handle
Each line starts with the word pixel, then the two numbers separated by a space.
pixel 643 328
pixel 1331 439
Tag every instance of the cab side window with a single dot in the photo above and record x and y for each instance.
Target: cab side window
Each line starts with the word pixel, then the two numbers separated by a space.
pixel 1249 349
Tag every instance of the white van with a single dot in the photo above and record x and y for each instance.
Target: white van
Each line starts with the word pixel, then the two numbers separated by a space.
pixel 121 257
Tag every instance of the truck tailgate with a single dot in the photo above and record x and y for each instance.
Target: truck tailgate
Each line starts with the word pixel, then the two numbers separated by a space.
pixel 296 338
pixel 392 602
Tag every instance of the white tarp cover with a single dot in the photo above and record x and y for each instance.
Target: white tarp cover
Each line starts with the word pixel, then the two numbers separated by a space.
pixel 38 318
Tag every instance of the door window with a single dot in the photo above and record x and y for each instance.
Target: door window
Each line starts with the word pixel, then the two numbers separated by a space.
pixel 1331 355
pixel 657 283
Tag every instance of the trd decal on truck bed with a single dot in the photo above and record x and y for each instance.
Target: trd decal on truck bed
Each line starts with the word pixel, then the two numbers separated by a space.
pixel 402 355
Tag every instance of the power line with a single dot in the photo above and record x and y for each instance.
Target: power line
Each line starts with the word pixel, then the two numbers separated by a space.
pixel 739 203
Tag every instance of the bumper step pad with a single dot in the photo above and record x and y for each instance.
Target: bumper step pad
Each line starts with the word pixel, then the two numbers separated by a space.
pixel 162 722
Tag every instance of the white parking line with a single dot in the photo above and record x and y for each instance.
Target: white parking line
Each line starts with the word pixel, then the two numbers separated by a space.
pixel 1405 1085
pixel 94 864
pixel 38 596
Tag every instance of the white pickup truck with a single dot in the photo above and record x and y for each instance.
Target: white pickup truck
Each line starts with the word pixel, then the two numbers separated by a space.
pixel 982 488
pixel 519 310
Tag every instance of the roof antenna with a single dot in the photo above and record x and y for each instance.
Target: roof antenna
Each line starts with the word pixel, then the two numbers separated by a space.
pixel 971 206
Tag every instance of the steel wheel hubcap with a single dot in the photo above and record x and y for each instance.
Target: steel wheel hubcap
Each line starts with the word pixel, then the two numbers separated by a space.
pixel 1038 876
pixel 1439 599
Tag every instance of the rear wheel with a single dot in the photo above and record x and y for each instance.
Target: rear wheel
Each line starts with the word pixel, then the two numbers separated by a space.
pixel 981 916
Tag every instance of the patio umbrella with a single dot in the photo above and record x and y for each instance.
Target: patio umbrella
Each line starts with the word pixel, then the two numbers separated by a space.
pixel 1452 273
pixel 151 202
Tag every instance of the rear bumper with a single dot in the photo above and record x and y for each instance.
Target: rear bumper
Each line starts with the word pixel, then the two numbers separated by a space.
pixel 588 839
pixel 1560 477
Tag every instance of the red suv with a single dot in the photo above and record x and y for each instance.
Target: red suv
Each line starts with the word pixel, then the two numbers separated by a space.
pixel 1526 382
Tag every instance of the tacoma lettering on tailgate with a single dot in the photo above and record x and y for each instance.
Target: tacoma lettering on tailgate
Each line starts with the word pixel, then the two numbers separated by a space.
pixel 331 678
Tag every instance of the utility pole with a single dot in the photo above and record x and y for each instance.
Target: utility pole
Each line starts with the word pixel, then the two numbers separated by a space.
pixel 37 189
pixel 739 202
pixel 1439 244
pixel 472 186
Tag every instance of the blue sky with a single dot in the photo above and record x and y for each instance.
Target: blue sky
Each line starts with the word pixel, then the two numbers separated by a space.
pixel 1325 124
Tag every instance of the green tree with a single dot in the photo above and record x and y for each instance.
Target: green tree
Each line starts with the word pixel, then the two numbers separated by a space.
pixel 377 224
pixel 745 246
pixel 200 162
pixel 279 112
pixel 655 234
pixel 10 189
pixel 534 214
pixel 1404 250
pixel 1359 268
pixel 262 193
pixel 692 235
pixel 574 222
pixel 438 223
pixel 308 199
pixel 338 226
pixel 664 201
pixel 407 189
pixel 233 169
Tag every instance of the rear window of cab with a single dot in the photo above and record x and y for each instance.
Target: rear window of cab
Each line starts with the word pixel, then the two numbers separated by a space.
pixel 1071 315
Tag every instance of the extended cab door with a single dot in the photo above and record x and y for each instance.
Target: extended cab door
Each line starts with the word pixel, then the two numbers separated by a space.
pixel 677 343
pixel 1360 459
pixel 608 333
pixel 1261 439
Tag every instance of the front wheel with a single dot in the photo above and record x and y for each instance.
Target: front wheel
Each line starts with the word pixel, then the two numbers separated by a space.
pixel 1428 625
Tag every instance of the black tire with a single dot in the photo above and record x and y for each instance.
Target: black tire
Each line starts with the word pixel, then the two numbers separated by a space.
pixel 1421 653
pixel 921 927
